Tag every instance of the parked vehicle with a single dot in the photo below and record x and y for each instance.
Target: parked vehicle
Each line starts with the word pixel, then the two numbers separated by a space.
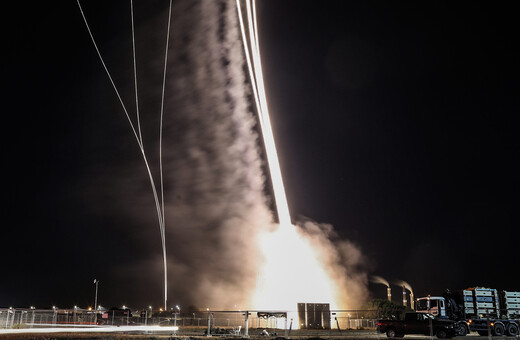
pixel 417 323
pixel 482 310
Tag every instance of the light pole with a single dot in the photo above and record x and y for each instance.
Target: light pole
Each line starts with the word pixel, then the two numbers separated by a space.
pixel 32 318
pixel 179 310
pixel 55 315
pixel 96 282
pixel 127 312
pixel 209 323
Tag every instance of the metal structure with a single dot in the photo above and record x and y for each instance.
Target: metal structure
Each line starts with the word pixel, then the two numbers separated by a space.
pixel 233 323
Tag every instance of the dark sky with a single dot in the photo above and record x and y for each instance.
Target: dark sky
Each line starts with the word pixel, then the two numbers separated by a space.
pixel 396 122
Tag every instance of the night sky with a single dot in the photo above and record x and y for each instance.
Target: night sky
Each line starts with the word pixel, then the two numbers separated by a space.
pixel 396 122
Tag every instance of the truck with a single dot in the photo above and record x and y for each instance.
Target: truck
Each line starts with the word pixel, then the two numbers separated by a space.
pixel 482 310
pixel 417 323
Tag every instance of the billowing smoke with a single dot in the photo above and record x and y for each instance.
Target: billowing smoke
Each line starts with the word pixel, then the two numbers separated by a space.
pixel 380 280
pixel 342 259
pixel 215 197
pixel 405 285
pixel 217 209
pixel 216 203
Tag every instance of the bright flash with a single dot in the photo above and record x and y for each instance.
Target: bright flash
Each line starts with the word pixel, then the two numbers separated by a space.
pixel 291 272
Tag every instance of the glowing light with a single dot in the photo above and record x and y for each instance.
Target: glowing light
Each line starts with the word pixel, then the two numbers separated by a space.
pixel 257 81
pixel 292 271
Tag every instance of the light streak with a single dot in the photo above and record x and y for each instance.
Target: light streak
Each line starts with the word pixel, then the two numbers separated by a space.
pixel 137 134
pixel 255 70
pixel 93 329
pixel 293 268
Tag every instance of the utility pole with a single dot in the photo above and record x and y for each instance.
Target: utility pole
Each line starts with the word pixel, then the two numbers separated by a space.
pixel 96 282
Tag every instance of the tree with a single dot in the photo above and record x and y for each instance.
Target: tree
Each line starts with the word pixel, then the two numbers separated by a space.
pixel 387 309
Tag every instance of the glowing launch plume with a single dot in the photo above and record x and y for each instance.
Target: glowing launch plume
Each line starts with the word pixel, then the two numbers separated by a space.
pixel 225 249
pixel 292 255
pixel 380 280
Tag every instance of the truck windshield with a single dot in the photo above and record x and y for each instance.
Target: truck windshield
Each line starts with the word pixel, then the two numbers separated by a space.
pixel 422 305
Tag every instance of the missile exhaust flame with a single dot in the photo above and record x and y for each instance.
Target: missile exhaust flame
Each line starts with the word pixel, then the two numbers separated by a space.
pixel 287 254
pixel 219 209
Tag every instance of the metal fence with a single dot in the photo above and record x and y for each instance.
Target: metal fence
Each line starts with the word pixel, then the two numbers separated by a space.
pixel 229 322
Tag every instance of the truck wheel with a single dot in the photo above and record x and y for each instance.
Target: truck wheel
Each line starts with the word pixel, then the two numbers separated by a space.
pixel 462 329
pixel 512 329
pixel 499 329
pixel 441 334
pixel 390 333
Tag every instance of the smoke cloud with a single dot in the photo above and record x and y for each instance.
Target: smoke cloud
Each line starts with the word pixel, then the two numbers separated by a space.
pixel 217 205
pixel 216 202
pixel 380 280
pixel 405 285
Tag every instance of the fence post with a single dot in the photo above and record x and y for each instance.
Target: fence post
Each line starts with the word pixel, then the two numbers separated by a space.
pixel 246 331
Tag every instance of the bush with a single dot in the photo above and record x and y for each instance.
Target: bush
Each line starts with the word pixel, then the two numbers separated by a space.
pixel 388 309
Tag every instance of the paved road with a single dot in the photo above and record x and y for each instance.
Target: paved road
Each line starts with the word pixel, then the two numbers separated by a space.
pixel 156 332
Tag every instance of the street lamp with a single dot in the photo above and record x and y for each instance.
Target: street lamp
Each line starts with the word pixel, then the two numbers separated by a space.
pixel 146 314
pixel 55 315
pixel 96 282
pixel 179 309
pixel 209 322
pixel 127 312
pixel 32 318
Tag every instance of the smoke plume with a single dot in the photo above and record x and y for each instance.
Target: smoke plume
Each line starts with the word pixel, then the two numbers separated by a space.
pixel 216 203
pixel 380 280
pixel 405 285
pixel 217 206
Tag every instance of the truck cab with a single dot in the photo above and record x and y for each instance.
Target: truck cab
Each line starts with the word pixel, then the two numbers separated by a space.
pixel 482 310
pixel 435 305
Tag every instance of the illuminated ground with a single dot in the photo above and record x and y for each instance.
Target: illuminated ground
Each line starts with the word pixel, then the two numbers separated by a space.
pixel 143 332
pixel 197 334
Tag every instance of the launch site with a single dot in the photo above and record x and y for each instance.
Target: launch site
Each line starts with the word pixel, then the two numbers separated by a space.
pixel 260 169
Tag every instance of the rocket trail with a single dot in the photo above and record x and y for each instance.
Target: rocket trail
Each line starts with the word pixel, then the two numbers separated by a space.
pixel 252 51
pixel 159 202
